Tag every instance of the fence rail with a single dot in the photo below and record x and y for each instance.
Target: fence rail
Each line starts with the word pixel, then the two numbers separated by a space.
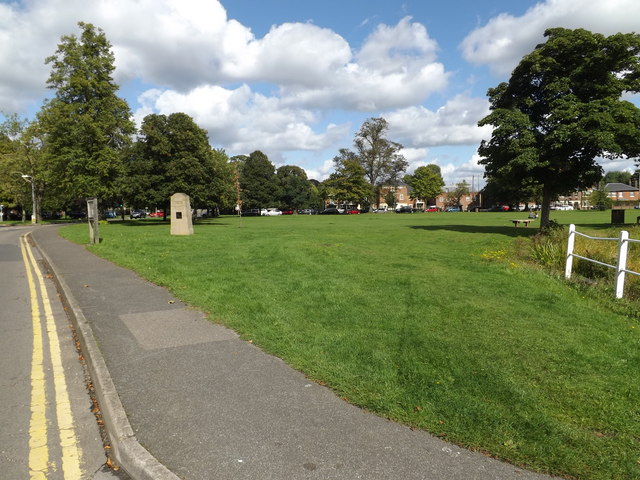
pixel 621 265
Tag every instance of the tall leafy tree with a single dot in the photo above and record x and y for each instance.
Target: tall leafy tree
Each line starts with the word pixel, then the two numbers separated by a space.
pixel 561 110
pixel 24 153
pixel 295 189
pixel 258 181
pixel 426 182
pixel 379 157
pixel 600 198
pixel 617 177
pixel 172 154
pixel 86 123
pixel 348 183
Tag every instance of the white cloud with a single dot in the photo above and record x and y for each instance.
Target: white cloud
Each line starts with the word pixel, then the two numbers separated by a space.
pixel 505 39
pixel 455 123
pixel 468 171
pixel 322 172
pixel 243 120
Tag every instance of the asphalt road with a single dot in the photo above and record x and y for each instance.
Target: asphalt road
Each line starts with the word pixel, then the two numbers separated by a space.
pixel 47 428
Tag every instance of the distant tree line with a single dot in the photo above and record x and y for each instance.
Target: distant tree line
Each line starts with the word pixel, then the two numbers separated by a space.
pixel 83 143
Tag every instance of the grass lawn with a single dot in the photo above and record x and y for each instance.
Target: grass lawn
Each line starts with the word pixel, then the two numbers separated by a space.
pixel 421 318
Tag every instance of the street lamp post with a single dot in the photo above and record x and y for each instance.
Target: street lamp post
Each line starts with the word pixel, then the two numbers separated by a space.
pixel 29 179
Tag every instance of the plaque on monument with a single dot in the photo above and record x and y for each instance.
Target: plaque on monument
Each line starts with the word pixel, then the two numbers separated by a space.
pixel 181 223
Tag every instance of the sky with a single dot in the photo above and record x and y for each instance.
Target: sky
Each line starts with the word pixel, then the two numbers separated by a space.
pixel 297 78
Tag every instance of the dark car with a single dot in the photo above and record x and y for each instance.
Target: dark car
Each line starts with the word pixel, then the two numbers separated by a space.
pixel 287 211
pixel 330 211
pixel 252 212
pixel 77 214
pixel 138 214
pixel 50 215
pixel 405 209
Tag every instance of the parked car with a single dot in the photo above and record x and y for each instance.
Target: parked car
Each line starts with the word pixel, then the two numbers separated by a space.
pixel 287 211
pixel 308 211
pixel 252 212
pixel 404 209
pixel 454 209
pixel 157 214
pixel 352 211
pixel 431 209
pixel 330 211
pixel 272 212
pixel 50 215
pixel 77 214
pixel 137 214
pixel 109 214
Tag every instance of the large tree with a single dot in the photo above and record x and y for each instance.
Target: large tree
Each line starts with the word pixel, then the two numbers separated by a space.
pixel 172 154
pixel 426 182
pixel 258 181
pixel 86 123
pixel 379 157
pixel 561 110
pixel 295 188
pixel 348 184
pixel 23 169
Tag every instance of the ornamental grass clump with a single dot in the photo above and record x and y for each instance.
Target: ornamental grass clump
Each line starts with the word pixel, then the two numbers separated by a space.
pixel 548 248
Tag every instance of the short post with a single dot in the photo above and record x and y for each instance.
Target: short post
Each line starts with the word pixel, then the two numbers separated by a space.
pixel 570 245
pixel 92 215
pixel 623 249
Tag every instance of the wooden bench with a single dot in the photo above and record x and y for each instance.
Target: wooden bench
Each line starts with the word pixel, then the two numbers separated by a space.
pixel 526 222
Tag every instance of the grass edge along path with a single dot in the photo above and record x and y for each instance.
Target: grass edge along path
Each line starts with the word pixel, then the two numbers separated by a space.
pixel 421 319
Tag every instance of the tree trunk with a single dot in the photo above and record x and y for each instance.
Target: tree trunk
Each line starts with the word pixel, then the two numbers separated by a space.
pixel 546 207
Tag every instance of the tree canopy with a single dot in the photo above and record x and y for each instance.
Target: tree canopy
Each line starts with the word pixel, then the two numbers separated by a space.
pixel 426 182
pixel 347 184
pixel 295 188
pixel 258 181
pixel 562 110
pixel 86 123
pixel 172 154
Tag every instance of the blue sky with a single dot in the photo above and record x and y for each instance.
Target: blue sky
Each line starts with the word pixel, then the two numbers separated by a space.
pixel 296 78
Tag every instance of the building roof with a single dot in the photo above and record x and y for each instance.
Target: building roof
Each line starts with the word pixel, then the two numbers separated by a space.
pixel 619 187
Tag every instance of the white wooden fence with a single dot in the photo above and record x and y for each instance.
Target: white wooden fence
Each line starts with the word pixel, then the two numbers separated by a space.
pixel 620 267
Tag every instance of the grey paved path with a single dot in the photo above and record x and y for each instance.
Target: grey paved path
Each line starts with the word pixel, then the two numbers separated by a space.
pixel 210 406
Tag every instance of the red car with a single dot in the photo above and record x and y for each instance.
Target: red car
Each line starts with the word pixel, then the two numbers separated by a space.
pixel 287 211
pixel 156 214
pixel 353 211
pixel 431 209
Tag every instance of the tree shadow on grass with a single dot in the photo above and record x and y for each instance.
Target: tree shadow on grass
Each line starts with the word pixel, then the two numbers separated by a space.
pixel 167 223
pixel 512 231
pixel 491 229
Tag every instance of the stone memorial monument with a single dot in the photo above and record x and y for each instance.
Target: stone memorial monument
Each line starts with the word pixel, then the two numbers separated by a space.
pixel 181 223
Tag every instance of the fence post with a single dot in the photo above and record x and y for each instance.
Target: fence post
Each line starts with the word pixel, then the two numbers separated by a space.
pixel 570 243
pixel 623 249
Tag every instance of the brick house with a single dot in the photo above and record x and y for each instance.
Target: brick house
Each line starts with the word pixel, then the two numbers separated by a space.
pixel 622 193
pixel 403 198
pixel 464 201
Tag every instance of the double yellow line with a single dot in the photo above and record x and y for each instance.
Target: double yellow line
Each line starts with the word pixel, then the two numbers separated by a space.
pixel 39 461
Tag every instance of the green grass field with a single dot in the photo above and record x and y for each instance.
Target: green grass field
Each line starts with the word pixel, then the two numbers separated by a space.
pixel 422 318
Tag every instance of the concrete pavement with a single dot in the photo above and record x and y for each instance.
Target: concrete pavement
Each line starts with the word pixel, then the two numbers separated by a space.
pixel 185 398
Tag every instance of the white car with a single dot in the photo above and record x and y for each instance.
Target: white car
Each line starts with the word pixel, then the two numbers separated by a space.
pixel 271 212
